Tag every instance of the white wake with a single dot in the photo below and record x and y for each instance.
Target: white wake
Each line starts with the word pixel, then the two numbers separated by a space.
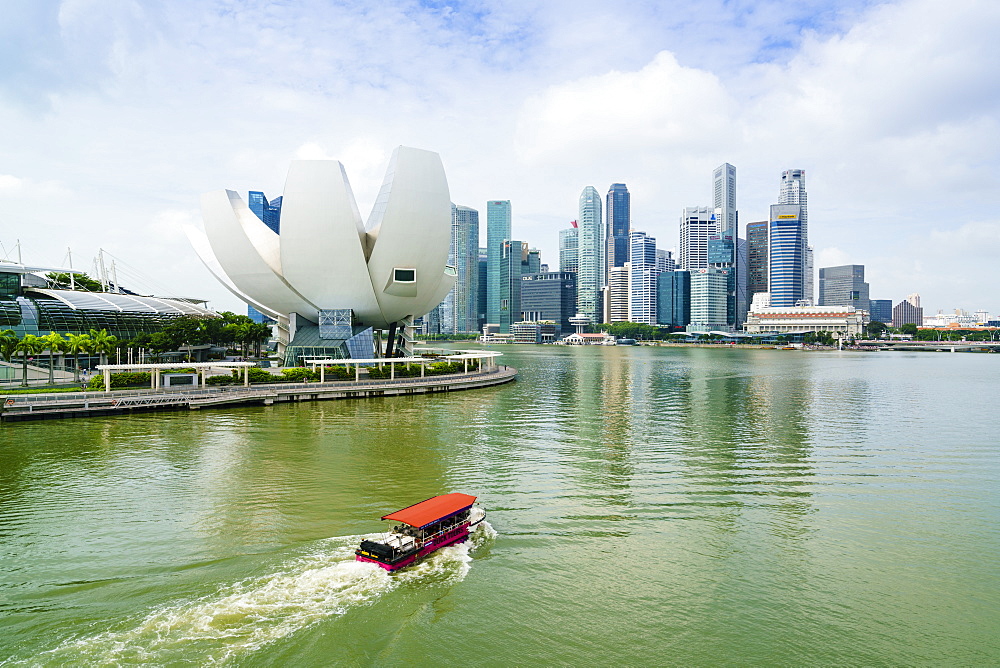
pixel 249 614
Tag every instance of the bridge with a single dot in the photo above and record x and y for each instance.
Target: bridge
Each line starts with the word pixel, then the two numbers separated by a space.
pixel 937 346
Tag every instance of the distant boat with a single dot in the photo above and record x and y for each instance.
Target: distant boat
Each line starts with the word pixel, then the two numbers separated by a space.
pixel 423 528
pixel 625 342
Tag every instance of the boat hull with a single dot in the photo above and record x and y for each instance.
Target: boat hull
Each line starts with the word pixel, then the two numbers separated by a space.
pixel 454 537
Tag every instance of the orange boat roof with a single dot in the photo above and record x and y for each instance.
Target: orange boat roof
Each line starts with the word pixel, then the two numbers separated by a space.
pixel 433 509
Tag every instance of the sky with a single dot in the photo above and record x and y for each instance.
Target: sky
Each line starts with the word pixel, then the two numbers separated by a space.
pixel 116 115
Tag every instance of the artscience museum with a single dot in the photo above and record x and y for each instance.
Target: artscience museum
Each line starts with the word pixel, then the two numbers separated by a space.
pixel 337 286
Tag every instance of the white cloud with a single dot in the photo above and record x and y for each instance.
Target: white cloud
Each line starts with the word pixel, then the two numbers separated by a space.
pixel 10 183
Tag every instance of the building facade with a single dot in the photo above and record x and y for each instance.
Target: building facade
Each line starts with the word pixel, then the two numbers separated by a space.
pixel 722 255
pixel 549 296
pixel 881 310
pixel 513 265
pixel 697 225
pixel 665 261
pixel 569 248
pixel 268 212
pixel 844 286
pixel 709 301
pixel 642 278
pixel 617 302
pixel 591 245
pixel 673 299
pixel 757 258
pixel 793 193
pixel 724 198
pixel 908 312
pixel 497 232
pixel 619 224
pixel 464 256
pixel 786 259
pixel 838 320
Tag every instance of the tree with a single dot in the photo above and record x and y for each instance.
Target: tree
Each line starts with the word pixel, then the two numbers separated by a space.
pixel 76 344
pixel 61 280
pixel 56 344
pixel 8 344
pixel 909 328
pixel 29 345
pixel 104 343
pixel 875 329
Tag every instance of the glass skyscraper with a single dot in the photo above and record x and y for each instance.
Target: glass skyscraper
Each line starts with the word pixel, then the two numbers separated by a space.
pixel 619 218
pixel 268 212
pixel 673 299
pixel 724 195
pixel 642 278
pixel 844 286
pixel 786 255
pixel 569 248
pixel 497 232
pixel 464 256
pixel 591 251
pixel 793 191
pixel 757 262
pixel 722 255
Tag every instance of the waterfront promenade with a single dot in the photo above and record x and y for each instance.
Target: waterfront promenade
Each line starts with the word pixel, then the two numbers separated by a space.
pixel 20 407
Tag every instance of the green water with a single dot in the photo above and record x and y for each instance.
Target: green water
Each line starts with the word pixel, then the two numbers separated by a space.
pixel 646 507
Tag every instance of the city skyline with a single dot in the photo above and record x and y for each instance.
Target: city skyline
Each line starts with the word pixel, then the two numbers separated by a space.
pixel 119 117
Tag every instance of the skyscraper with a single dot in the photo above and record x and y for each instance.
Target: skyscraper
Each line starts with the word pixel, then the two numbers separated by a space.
pixel 591 253
pixel 786 255
pixel 673 298
pixel 724 194
pixel 664 261
pixel 618 225
pixel 497 232
pixel 793 191
pixel 268 212
pixel 722 255
pixel 709 303
pixel 881 310
pixel 569 248
pixel 908 312
pixel 465 258
pixel 616 308
pixel 742 296
pixel 698 223
pixel 757 258
pixel 642 278
pixel 549 296
pixel 844 286
pixel 513 265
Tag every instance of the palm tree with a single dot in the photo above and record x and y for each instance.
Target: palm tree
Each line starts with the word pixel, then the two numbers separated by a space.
pixel 8 344
pixel 56 344
pixel 104 343
pixel 76 344
pixel 29 345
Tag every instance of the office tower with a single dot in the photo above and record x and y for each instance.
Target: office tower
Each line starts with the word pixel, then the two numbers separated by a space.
pixel 533 261
pixel 497 232
pixel 617 302
pixel 483 282
pixel 698 223
pixel 908 312
pixel 664 261
pixel 618 225
pixel 793 191
pixel 673 299
pixel 513 265
pixel 724 192
pixel 642 278
pixel 722 255
pixel 268 212
pixel 464 256
pixel 569 248
pixel 757 258
pixel 549 296
pixel 709 302
pixel 881 310
pixel 591 263
pixel 786 260
pixel 843 286
pixel 742 296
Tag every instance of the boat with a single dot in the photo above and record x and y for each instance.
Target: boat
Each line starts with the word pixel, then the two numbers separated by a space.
pixel 422 529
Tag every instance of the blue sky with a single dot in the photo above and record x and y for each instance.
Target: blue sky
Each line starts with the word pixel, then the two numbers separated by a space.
pixel 117 114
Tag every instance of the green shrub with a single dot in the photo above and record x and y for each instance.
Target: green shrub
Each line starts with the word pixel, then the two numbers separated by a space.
pixel 222 380
pixel 121 380
pixel 299 375
pixel 257 375
pixel 339 373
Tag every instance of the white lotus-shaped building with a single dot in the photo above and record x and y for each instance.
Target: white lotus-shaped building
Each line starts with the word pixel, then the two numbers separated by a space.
pixel 329 276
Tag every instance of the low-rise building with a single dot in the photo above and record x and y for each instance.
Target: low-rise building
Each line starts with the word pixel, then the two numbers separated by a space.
pixel 844 320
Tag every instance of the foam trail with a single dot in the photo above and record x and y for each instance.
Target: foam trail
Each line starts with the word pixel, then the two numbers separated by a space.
pixel 257 611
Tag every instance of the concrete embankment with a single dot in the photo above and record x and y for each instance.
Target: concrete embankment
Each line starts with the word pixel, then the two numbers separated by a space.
pixel 19 407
